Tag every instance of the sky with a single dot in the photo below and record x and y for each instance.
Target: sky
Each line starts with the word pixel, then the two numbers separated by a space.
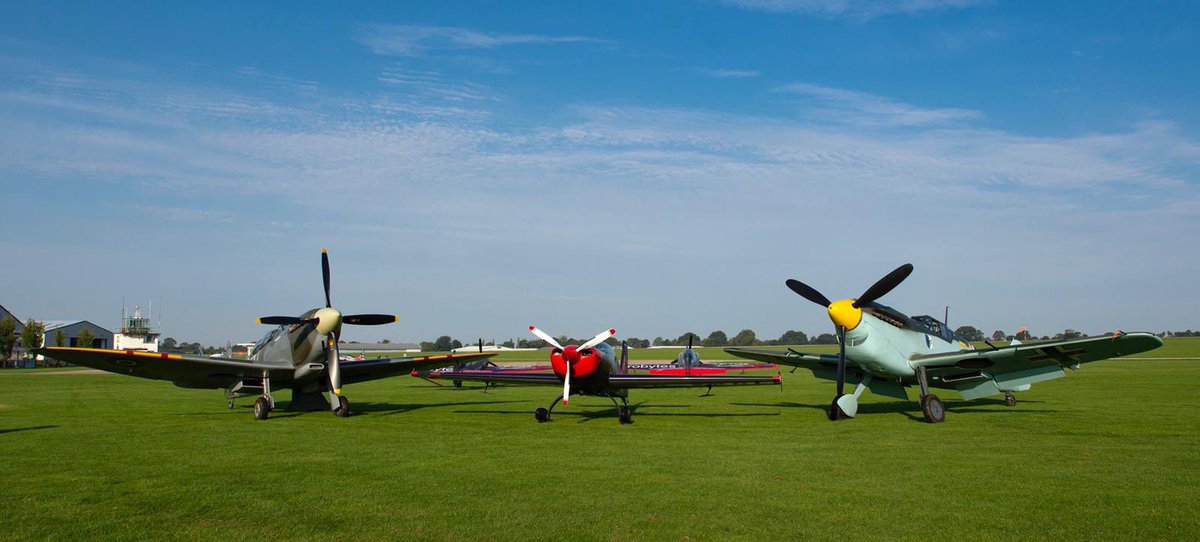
pixel 657 167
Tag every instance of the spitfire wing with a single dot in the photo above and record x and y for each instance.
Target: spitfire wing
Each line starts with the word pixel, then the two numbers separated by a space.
pixel 362 371
pixel 184 370
pixel 983 372
pixel 628 381
pixel 493 377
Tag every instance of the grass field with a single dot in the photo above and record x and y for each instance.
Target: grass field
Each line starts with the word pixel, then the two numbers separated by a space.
pixel 1111 451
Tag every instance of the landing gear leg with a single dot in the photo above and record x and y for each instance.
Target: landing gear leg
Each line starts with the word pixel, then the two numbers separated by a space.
pixel 543 414
pixel 231 404
pixel 931 406
pixel 265 404
pixel 623 413
pixel 1009 399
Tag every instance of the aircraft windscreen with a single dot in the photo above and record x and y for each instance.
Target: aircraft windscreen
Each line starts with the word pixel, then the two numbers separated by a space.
pixel 934 327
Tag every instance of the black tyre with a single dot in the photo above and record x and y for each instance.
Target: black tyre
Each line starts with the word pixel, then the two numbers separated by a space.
pixel 625 415
pixel 542 415
pixel 1009 400
pixel 262 407
pixel 934 411
pixel 835 411
pixel 343 409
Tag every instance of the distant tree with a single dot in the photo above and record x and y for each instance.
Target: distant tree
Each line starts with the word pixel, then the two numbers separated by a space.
pixel 8 339
pixel 745 337
pixel 716 338
pixel 60 338
pixel 386 341
pixel 1023 335
pixel 998 335
pixel 427 346
pixel 638 343
pixel 168 345
pixel 1068 334
pixel 508 344
pixel 659 341
pixel 443 343
pixel 969 333
pixel 683 339
pixel 31 336
pixel 792 337
pixel 86 338
pixel 455 344
pixel 825 338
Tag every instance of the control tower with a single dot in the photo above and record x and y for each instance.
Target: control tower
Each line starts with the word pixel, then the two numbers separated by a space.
pixel 136 333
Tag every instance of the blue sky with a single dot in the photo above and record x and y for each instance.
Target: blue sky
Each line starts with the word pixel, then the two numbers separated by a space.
pixel 658 167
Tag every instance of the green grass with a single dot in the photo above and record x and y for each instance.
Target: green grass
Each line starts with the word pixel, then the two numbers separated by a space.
pixel 1111 451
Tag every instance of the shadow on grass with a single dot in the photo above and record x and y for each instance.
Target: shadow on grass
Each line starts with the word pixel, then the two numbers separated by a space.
pixel 611 413
pixel 32 428
pixel 397 408
pixel 912 409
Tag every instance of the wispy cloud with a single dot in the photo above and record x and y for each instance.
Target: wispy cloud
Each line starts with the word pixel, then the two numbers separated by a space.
pixel 413 40
pixel 718 73
pixel 856 9
pixel 848 106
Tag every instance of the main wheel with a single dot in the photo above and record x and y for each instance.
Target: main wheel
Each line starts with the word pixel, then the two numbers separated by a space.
pixel 343 408
pixel 542 415
pixel 625 415
pixel 933 409
pixel 1010 400
pixel 231 404
pixel 262 407
pixel 835 411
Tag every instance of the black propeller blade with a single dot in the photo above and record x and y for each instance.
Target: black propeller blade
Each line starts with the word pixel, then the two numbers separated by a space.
pixel 884 285
pixel 368 319
pixel 325 275
pixel 808 292
pixel 285 320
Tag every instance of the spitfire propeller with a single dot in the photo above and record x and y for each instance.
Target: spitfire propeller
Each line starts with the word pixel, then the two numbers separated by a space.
pixel 847 313
pixel 328 321
pixel 570 355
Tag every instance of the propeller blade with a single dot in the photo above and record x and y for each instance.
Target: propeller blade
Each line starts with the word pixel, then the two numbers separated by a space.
pixel 567 382
pixel 808 292
pixel 841 367
pixel 599 338
pixel 545 337
pixel 286 320
pixel 335 370
pixel 369 319
pixel 884 285
pixel 325 275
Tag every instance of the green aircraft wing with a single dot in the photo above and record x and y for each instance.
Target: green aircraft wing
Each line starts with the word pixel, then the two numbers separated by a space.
pixel 982 372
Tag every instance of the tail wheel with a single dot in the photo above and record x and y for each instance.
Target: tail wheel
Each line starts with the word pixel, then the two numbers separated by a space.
pixel 542 415
pixel 625 415
pixel 934 411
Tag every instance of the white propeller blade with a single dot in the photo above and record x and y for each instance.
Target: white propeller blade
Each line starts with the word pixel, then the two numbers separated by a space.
pixel 567 383
pixel 603 336
pixel 545 337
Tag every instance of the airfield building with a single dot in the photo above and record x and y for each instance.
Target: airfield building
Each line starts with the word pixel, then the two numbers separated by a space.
pixel 136 333
pixel 102 338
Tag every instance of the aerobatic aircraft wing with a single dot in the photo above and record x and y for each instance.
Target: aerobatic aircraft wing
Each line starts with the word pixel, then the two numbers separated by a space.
pixel 492 377
pixel 362 371
pixel 185 370
pixel 629 381
pixel 983 372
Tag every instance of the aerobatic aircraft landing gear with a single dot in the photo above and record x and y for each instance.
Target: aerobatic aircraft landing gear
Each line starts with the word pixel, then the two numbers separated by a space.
pixel 543 414
pixel 931 406
pixel 265 404
pixel 623 413
pixel 1009 399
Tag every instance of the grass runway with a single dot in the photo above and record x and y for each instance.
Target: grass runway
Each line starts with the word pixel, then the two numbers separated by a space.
pixel 1110 452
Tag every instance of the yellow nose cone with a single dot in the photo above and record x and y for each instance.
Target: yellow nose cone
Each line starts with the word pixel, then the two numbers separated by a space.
pixel 845 314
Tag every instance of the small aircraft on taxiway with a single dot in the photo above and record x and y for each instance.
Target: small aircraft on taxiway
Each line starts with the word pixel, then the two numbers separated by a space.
pixel 592 369
pixel 885 350
pixel 688 363
pixel 301 353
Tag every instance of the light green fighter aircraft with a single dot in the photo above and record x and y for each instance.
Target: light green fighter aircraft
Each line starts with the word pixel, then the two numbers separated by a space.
pixel 885 351
pixel 300 353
